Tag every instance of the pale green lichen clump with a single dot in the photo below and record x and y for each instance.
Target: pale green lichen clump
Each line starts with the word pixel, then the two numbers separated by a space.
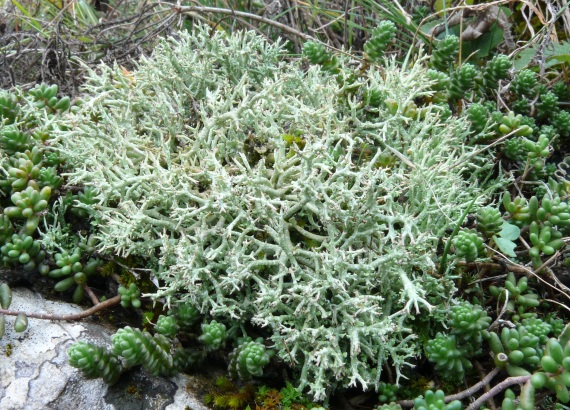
pixel 269 194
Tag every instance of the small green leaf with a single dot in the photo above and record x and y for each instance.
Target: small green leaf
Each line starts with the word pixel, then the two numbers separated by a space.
pixel 560 54
pixel 506 246
pixel 5 296
pixel 523 59
pixel 21 323
pixel 509 231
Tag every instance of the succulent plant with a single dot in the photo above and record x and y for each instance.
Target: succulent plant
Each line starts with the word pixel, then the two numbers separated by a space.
pixel 316 53
pixel 440 84
pixel 186 315
pixel 561 123
pixel 46 97
pixel 387 392
pixel 515 150
pixel 495 70
pixel 21 322
pixel 12 140
pixel 72 272
pixel 547 106
pixel 28 204
pixel 6 228
pixel 22 249
pixel 373 97
pixel 67 263
pixel 561 90
pixel 545 239
pixel 23 169
pixel 524 83
pixel 84 200
pixel 555 373
pixel 248 359
pixel 445 53
pixel 468 244
pixel 530 122
pixel 522 211
pixel 510 401
pixel 390 406
pixel 489 221
pixel 49 178
pixel 130 296
pixel 9 108
pixel 379 39
pixel 167 326
pixel 449 361
pixel 467 322
pixel 521 346
pixel 558 324
pixel 521 106
pixel 462 81
pixel 553 211
pixel 478 114
pixel 41 134
pixel 516 293
pixel 435 401
pixel 5 302
pixel 512 122
pixel 213 335
pixel 537 151
pixel 137 347
pixel 538 328
pixel 187 359
pixel 95 361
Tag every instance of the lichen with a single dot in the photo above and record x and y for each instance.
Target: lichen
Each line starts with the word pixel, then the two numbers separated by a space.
pixel 316 238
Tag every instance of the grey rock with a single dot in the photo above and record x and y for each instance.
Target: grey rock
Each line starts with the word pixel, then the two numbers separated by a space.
pixel 34 373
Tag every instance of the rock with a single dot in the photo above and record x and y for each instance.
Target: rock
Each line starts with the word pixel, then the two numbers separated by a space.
pixel 34 373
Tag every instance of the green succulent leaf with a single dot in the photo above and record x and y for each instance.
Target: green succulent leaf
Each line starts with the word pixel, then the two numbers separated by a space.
pixel 5 296
pixel 21 322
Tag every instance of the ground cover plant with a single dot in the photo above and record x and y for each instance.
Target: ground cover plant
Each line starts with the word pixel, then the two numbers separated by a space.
pixel 417 221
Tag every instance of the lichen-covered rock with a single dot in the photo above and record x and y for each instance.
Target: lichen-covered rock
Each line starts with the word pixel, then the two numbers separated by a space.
pixel 264 194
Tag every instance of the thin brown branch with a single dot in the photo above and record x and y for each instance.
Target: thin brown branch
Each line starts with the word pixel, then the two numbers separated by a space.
pixel 476 387
pixel 463 394
pixel 91 295
pixel 496 390
pixel 76 316
pixel 243 14
pixel 492 265
pixel 481 372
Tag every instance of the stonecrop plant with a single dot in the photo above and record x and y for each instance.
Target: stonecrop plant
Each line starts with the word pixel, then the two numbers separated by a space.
pixel 276 197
